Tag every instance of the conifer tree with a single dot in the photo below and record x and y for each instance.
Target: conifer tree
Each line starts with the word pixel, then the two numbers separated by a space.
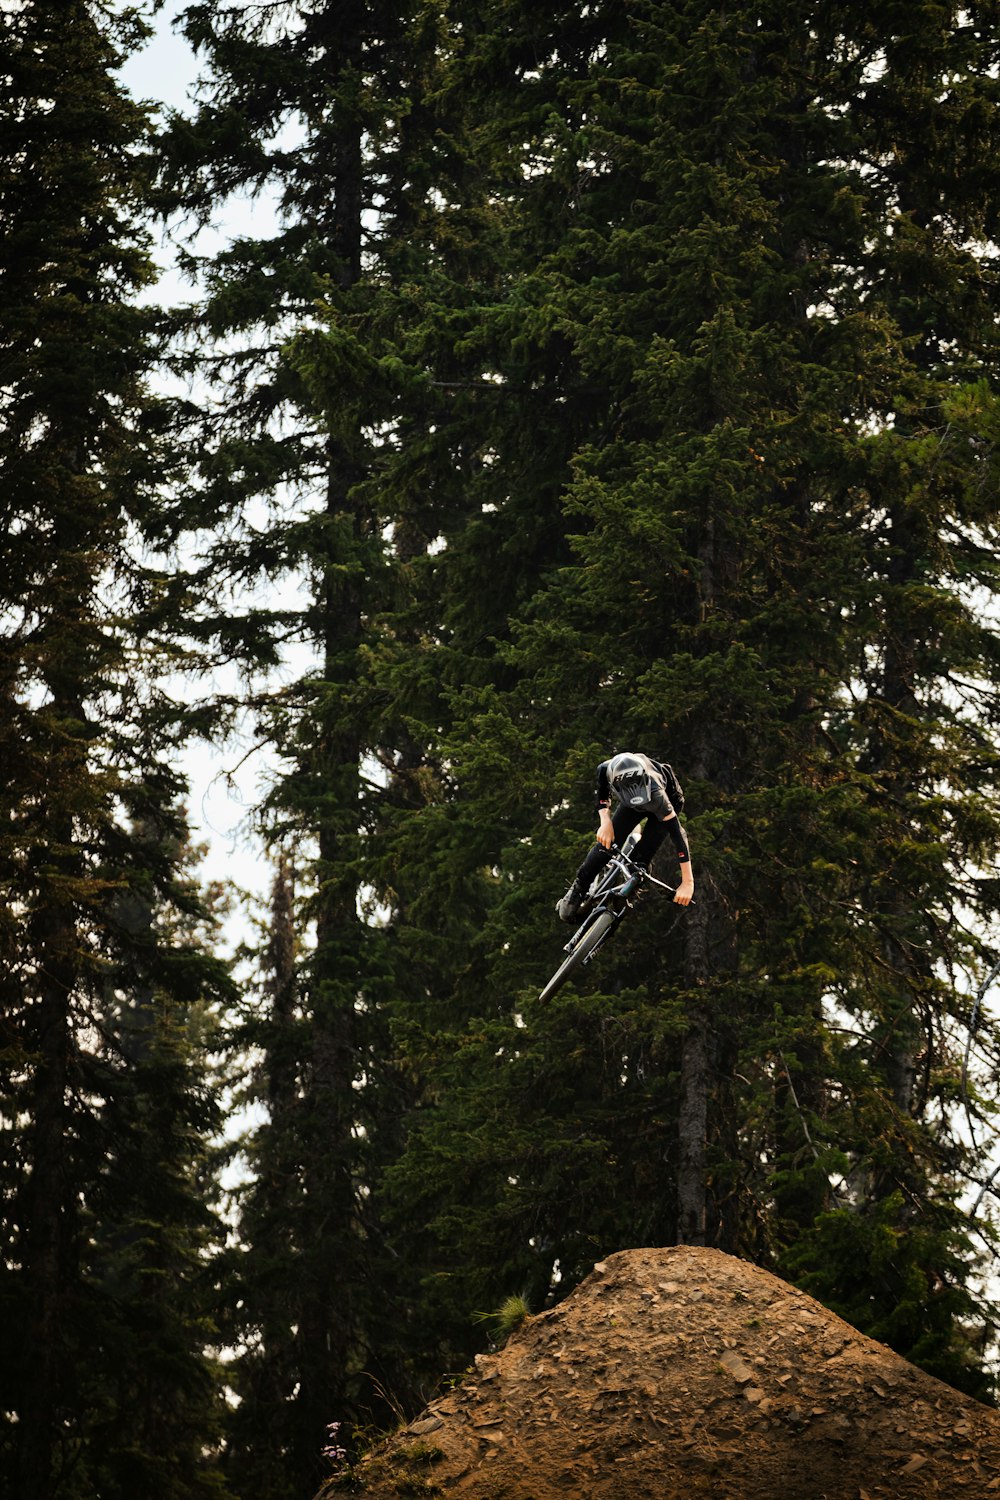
pixel 926 691
pixel 262 1300
pixel 718 268
pixel 325 105
pixel 106 1111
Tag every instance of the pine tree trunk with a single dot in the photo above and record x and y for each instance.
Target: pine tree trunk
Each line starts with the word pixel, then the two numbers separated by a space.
pixel 692 1123
pixel 896 757
pixel 328 1327
pixel 45 1234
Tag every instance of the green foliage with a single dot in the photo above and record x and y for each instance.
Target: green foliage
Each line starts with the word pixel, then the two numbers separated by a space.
pixel 509 1316
pixel 615 376
pixel 738 540
pixel 324 324
pixel 109 983
pixel 896 1267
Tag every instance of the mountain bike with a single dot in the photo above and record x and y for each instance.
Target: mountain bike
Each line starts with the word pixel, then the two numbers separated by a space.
pixel 614 892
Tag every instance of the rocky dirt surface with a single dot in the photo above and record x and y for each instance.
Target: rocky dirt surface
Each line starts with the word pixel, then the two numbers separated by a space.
pixel 683 1372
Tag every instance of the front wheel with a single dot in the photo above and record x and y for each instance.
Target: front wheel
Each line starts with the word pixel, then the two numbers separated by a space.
pixel 592 938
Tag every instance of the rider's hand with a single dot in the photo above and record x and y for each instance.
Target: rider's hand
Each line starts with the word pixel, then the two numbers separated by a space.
pixel 684 891
pixel 606 832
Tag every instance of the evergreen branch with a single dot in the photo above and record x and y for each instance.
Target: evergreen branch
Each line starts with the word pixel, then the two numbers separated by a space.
pixel 973 1022
pixel 806 1131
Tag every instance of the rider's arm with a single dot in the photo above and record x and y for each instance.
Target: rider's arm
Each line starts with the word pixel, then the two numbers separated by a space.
pixel 602 786
pixel 677 837
pixel 602 797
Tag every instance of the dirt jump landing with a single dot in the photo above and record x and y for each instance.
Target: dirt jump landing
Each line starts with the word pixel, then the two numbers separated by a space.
pixel 682 1372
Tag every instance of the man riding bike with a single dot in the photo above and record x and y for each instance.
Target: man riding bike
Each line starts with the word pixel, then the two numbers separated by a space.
pixel 639 785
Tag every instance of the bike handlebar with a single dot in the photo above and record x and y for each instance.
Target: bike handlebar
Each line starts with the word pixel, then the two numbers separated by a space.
pixel 619 855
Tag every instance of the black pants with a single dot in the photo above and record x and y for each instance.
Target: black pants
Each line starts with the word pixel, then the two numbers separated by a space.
pixel 624 820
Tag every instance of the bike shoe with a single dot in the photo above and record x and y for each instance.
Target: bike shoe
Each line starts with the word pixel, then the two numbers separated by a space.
pixel 568 906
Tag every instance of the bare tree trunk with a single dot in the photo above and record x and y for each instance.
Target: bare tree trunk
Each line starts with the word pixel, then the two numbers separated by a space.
pixel 692 1123
pixel 329 1320
pixel 45 1228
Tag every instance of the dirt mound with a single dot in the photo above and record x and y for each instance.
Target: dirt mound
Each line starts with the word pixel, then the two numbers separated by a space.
pixel 683 1372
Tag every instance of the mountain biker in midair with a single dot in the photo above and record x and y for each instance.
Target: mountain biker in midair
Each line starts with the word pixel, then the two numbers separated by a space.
pixel 639 785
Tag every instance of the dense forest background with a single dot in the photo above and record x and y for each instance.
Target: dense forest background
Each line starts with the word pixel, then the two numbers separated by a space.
pixel 614 375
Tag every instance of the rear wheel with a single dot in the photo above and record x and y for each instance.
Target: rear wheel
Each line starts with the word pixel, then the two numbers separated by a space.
pixel 595 934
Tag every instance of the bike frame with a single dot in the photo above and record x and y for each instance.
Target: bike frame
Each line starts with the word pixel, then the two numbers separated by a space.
pixel 615 890
pixel 618 887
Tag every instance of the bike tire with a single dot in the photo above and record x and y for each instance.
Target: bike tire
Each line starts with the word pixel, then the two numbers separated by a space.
pixel 595 934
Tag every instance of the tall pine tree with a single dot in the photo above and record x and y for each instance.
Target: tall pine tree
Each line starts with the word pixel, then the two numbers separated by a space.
pixel 107 978
pixel 326 106
pixel 710 254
